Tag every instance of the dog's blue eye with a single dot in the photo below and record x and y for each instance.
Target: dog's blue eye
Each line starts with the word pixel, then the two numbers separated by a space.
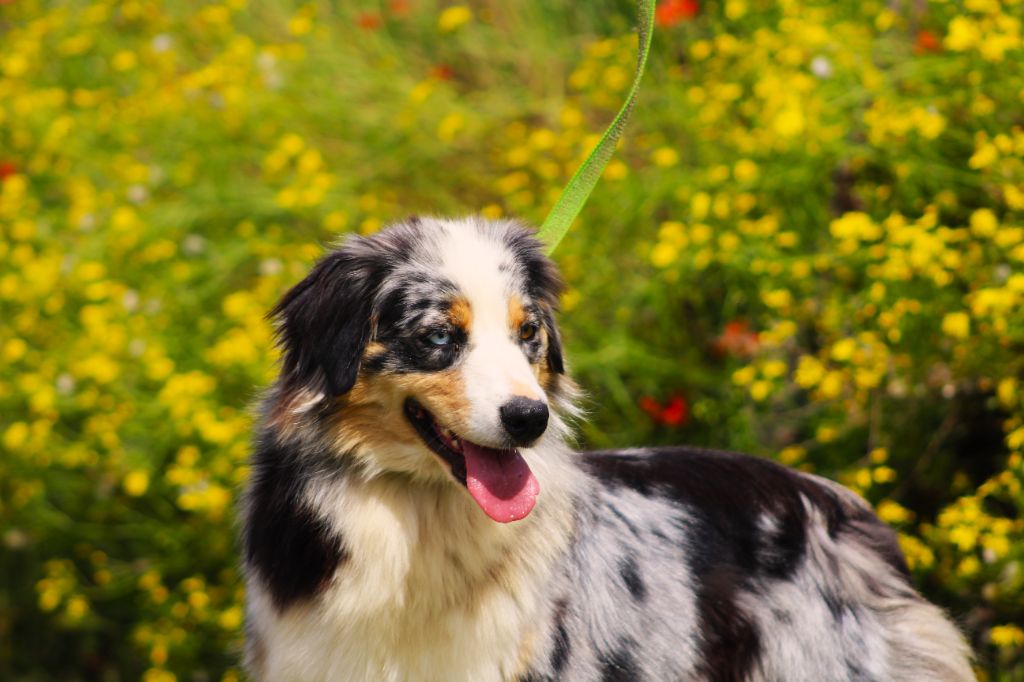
pixel 441 337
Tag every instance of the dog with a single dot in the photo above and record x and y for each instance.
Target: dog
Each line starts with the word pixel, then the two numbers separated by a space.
pixel 415 512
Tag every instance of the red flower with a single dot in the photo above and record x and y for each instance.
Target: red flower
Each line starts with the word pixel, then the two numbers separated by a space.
pixel 671 12
pixel 675 413
pixel 399 8
pixel 736 339
pixel 442 72
pixel 368 21
pixel 926 42
pixel 7 169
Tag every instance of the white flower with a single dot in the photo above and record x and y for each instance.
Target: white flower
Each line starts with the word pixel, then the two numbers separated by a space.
pixel 821 67
pixel 161 42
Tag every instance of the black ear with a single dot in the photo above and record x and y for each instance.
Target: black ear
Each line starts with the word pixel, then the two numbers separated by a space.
pixel 324 321
pixel 543 283
pixel 555 363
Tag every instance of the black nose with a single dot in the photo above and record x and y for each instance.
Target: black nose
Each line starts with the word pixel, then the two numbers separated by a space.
pixel 524 419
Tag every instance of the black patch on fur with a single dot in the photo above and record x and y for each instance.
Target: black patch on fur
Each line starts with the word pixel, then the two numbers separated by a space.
pixel 562 644
pixel 630 573
pixel 836 606
pixel 620 665
pixel 324 320
pixel 560 648
pixel 726 494
pixel 731 643
pixel 291 550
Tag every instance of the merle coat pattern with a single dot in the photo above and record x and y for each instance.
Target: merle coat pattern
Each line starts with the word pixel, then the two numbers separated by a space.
pixel 415 513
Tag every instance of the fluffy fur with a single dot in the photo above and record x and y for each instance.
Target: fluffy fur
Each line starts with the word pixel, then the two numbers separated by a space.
pixel 368 558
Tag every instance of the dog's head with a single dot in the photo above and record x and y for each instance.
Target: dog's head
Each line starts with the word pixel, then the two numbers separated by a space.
pixel 430 349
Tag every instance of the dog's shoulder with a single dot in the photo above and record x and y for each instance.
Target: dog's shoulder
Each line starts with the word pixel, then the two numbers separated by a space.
pixel 755 511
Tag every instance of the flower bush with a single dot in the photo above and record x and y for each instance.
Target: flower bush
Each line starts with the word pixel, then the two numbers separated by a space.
pixel 810 247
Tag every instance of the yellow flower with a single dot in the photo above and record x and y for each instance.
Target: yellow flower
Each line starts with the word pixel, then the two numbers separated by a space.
pixel 963 34
pixel 300 25
pixel 700 50
pixel 745 170
pixel 809 371
pixel 15 436
pixel 790 121
pixel 964 537
pixel 1006 391
pixel 158 675
pixel 777 298
pixel 956 325
pixel 14 349
pixel 665 157
pixel 917 553
pixel 136 483
pixel 791 455
pixel 615 77
pixel 831 385
pixel 744 375
pixel 230 619
pixel 842 350
pixel 77 608
pixel 453 17
pixel 884 474
pixel 773 369
pixel 734 9
pixel 892 512
pixel 984 223
pixel 616 170
pixel 291 144
pixel 968 566
pixel 1007 635
pixel 760 389
pixel 983 156
pixel 826 434
pixel 124 60
pixel 450 126
pixel 663 254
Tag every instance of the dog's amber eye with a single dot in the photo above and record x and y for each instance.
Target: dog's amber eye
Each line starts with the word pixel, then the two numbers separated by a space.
pixel 527 331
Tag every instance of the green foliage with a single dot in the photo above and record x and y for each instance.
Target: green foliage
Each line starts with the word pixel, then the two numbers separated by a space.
pixel 809 247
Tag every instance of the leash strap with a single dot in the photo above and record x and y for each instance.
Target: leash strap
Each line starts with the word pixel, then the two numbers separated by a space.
pixel 576 193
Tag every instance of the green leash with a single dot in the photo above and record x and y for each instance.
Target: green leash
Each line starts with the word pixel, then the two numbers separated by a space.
pixel 582 184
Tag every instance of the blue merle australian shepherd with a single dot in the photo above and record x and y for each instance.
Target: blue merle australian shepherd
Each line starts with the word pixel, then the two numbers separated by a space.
pixel 415 512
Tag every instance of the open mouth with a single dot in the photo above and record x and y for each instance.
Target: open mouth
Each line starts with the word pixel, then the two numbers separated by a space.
pixel 499 480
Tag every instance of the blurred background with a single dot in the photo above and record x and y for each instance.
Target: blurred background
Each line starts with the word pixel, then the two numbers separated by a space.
pixel 810 246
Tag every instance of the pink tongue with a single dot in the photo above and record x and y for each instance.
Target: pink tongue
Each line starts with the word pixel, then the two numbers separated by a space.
pixel 500 481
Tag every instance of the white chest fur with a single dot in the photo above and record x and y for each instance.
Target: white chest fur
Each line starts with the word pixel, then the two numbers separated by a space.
pixel 431 589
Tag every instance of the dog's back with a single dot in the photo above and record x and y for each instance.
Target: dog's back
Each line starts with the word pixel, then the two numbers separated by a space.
pixel 706 565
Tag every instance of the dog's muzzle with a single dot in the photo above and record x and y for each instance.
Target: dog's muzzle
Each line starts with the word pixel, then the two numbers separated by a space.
pixel 524 419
